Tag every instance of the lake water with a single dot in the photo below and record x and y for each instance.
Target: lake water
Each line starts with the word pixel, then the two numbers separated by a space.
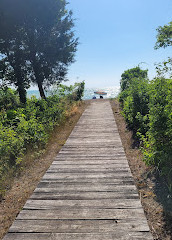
pixel 88 92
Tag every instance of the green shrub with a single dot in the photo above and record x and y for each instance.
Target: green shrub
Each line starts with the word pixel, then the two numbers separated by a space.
pixel 71 93
pixel 33 132
pixel 158 145
pixel 78 91
pixel 135 106
pixel 123 96
pixel 8 98
pixel 11 148
pixel 147 109
pixel 29 126
pixel 128 75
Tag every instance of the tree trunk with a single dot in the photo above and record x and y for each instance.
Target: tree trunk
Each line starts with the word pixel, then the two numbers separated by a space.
pixel 38 76
pixel 41 90
pixel 22 94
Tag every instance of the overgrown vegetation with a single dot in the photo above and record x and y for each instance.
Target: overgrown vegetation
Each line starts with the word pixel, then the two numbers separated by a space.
pixel 158 140
pixel 147 108
pixel 37 44
pixel 28 127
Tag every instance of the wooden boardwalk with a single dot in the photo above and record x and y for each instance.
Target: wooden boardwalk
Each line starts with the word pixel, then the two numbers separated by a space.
pixel 88 192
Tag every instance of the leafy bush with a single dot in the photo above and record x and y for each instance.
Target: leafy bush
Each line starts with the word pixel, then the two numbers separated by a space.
pixel 8 98
pixel 122 96
pixel 128 75
pixel 147 109
pixel 11 148
pixel 78 91
pixel 29 126
pixel 158 145
pixel 135 106
pixel 73 92
pixel 33 132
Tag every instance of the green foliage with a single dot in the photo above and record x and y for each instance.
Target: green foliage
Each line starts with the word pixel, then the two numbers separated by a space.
pixel 11 148
pixel 158 145
pixel 135 107
pixel 164 69
pixel 129 74
pixel 164 36
pixel 78 91
pixel 147 108
pixel 37 42
pixel 28 126
pixel 8 98
pixel 122 96
pixel 32 131
pixel 73 92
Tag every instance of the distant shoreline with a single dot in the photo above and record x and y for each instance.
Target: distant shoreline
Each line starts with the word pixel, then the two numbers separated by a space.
pixel 88 93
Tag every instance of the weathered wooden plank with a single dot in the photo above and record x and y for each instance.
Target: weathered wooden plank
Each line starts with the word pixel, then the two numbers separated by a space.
pixel 98 175
pixel 81 168
pixel 53 183
pixel 79 129
pixel 76 170
pixel 78 226
pixel 96 151
pixel 87 163
pixel 118 189
pixel 101 125
pixel 90 163
pixel 120 235
pixel 85 213
pixel 96 135
pixel 89 148
pixel 81 188
pixel 69 195
pixel 93 155
pixel 94 138
pixel 115 159
pixel 95 161
pixel 98 145
pixel 93 146
pixel 101 143
pixel 51 177
pixel 91 176
pixel 78 180
pixel 103 204
pixel 85 182
pixel 91 141
pixel 116 156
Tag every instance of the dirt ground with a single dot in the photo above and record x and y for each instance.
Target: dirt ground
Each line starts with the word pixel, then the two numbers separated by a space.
pixel 151 188
pixel 146 182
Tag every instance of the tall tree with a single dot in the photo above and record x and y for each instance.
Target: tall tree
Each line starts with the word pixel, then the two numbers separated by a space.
pixel 47 45
pixel 13 62
pixel 164 36
pixel 164 39
pixel 129 74
pixel 50 40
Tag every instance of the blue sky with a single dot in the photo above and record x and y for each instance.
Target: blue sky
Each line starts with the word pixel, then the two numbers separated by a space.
pixel 116 35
